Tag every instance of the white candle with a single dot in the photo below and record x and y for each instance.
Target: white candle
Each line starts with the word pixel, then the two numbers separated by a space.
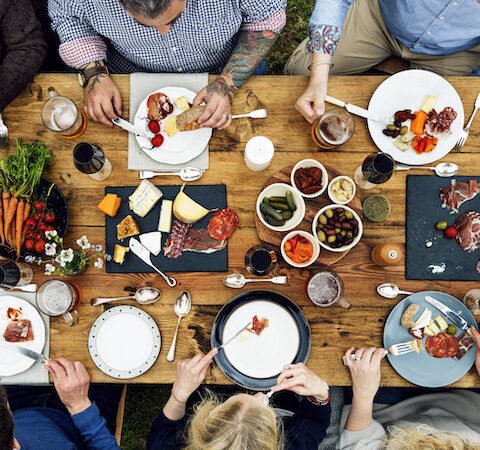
pixel 258 153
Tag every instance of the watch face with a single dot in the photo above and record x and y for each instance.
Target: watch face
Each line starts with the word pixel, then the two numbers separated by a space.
pixel 81 79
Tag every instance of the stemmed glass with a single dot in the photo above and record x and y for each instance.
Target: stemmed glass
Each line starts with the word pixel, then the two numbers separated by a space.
pixel 375 169
pixel 90 159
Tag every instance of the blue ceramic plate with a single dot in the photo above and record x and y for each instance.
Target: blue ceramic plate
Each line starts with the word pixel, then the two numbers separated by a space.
pixel 252 361
pixel 422 369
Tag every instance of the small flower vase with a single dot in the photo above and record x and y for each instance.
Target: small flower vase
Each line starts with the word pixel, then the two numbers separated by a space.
pixel 76 266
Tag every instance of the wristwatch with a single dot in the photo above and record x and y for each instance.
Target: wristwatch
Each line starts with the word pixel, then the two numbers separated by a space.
pixel 84 75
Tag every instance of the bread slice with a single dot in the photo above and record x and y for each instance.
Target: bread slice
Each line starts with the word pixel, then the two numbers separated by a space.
pixel 127 228
pixel 188 120
pixel 407 317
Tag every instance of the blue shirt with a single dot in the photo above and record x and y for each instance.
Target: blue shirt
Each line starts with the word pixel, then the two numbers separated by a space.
pixel 48 428
pixel 432 27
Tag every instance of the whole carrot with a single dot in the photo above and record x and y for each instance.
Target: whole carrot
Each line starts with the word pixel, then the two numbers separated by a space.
pixel 12 208
pixel 5 202
pixel 19 226
pixel 2 236
pixel 26 213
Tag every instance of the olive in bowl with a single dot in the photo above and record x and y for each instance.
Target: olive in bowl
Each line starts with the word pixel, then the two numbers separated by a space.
pixel 337 228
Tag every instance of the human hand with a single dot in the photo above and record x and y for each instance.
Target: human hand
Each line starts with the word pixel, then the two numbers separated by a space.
pixel 311 103
pixel 102 99
pixel 365 371
pixel 476 336
pixel 191 373
pixel 218 96
pixel 300 379
pixel 71 381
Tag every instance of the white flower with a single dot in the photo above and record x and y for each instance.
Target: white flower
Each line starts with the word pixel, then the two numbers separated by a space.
pixel 66 256
pixel 108 257
pixel 98 263
pixel 49 269
pixel 63 264
pixel 38 261
pixel 83 243
pixel 98 248
pixel 50 234
pixel 50 249
pixel 29 259
pixel 92 247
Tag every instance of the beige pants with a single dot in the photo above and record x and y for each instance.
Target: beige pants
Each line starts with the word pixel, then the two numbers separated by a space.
pixel 366 41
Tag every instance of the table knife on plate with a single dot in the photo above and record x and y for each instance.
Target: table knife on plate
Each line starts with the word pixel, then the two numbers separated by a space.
pixel 127 126
pixel 235 335
pixel 450 313
pixel 27 352
pixel 144 254
pixel 362 112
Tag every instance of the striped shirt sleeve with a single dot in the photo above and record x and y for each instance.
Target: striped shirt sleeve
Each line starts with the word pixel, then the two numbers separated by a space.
pixel 263 15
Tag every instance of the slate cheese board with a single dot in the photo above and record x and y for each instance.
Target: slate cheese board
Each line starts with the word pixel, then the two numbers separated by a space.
pixel 209 196
pixel 445 259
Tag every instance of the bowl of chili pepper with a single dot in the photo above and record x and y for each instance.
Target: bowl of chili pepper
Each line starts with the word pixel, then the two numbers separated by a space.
pixel 309 178
pixel 299 248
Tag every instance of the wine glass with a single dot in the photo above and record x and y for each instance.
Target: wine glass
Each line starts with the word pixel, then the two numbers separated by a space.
pixel 375 169
pixel 91 159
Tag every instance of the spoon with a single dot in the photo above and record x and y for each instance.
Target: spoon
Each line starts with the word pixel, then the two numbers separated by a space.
pixel 145 295
pixel 257 114
pixel 444 169
pixel 391 290
pixel 186 174
pixel 237 280
pixel 23 288
pixel 181 307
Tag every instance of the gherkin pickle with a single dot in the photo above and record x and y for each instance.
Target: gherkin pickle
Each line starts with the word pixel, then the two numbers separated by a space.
pixel 287 214
pixel 290 202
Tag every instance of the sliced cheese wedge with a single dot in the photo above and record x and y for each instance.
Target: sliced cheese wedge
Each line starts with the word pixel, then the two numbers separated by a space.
pixel 152 241
pixel 119 253
pixel 165 220
pixel 144 198
pixel 442 324
pixel 186 209
pixel 424 319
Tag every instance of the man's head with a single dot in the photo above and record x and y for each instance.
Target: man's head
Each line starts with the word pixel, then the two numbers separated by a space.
pixel 160 14
pixel 6 422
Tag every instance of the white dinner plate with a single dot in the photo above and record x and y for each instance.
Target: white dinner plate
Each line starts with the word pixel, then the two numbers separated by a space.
pixel 182 146
pixel 12 362
pixel 406 90
pixel 124 342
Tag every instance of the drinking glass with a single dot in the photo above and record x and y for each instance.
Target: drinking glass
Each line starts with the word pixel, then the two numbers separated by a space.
pixel 326 289
pixel 57 298
pixel 90 159
pixel 375 169
pixel 60 114
pixel 335 127
pixel 260 260
pixel 472 300
pixel 14 273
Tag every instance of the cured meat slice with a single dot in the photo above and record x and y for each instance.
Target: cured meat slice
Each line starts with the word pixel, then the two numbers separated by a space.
pixel 458 192
pixel 258 325
pixel 174 245
pixel 222 224
pixel 437 125
pixel 468 226
pixel 200 241
pixel 19 331
pixel 465 342
pixel 453 346
pixel 436 346
pixel 14 314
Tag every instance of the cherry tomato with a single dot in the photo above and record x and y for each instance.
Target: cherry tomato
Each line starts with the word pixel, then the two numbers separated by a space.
pixel 37 216
pixel 31 223
pixel 50 216
pixel 39 205
pixel 450 232
pixel 29 244
pixel 154 126
pixel 30 234
pixel 157 140
pixel 42 227
pixel 40 245
pixel 38 237
pixel 49 228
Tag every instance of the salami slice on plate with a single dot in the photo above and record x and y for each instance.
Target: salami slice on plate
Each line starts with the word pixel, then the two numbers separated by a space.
pixel 222 224
pixel 437 345
pixel 453 346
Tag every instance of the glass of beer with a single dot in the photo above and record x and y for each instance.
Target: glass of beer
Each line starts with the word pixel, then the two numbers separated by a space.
pixel 326 289
pixel 57 298
pixel 91 159
pixel 335 127
pixel 60 114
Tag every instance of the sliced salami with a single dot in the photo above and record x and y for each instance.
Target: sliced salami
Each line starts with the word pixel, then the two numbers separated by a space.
pixel 222 224
pixel 436 346
pixel 174 245
pixel 453 346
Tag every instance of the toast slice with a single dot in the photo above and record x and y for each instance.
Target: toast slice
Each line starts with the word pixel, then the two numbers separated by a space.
pixel 188 120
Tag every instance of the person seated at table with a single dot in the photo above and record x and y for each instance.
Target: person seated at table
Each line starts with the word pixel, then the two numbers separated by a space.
pixel 227 38
pixel 243 421
pixel 22 48
pixel 37 418
pixel 442 420
pixel 442 36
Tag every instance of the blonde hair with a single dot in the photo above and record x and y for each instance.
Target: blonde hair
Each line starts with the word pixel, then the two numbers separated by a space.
pixel 233 425
pixel 424 437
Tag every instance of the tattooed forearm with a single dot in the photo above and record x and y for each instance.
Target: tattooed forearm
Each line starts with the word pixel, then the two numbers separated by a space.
pixel 223 87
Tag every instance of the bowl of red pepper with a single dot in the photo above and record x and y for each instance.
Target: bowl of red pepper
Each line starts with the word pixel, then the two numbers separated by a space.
pixel 309 178
pixel 300 248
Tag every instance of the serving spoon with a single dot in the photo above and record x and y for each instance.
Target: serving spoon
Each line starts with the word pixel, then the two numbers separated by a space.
pixel 257 114
pixel 181 307
pixel 444 169
pixel 391 290
pixel 237 280
pixel 186 174
pixel 145 295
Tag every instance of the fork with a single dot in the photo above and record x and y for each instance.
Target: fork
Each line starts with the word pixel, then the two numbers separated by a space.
pixel 395 350
pixel 464 134
pixel 3 133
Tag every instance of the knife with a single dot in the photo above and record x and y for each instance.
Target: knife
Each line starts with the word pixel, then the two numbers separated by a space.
pixel 27 352
pixel 357 110
pixel 450 313
pixel 127 126
pixel 144 254
pixel 235 335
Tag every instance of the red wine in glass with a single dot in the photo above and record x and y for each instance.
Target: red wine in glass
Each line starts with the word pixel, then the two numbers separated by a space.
pixel 378 168
pixel 15 274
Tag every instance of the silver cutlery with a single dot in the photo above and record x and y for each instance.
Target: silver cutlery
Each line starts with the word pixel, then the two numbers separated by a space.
pixel 235 335
pixel 444 169
pixel 237 280
pixel 391 290
pixel 26 352
pixel 186 174
pixel 145 295
pixel 257 114
pixel 3 134
pixel 127 126
pixel 395 350
pixel 23 288
pixel 464 134
pixel 449 313
pixel 181 307
pixel 362 112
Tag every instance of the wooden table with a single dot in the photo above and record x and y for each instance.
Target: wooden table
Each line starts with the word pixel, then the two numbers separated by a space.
pixel 334 329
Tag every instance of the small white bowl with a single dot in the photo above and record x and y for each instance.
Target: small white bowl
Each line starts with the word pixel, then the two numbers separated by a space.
pixel 279 190
pixel 333 197
pixel 305 163
pixel 343 247
pixel 316 248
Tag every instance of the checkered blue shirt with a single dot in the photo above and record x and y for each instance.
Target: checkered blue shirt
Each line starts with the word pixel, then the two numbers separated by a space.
pixel 201 40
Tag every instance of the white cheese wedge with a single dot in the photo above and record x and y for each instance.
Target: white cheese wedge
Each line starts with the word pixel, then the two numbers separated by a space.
pixel 442 324
pixel 424 319
pixel 152 241
pixel 428 103
pixel 186 209
pixel 144 198
pixel 165 221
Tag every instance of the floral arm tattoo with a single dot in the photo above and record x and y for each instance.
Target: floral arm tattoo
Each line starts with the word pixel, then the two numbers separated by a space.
pixel 96 78
pixel 251 49
pixel 323 39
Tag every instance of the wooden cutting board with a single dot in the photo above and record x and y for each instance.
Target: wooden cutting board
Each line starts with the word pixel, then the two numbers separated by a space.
pixel 313 205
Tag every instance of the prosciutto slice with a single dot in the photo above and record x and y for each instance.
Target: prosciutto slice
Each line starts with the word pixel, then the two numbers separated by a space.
pixel 458 192
pixel 19 331
pixel 200 241
pixel 468 226
pixel 465 342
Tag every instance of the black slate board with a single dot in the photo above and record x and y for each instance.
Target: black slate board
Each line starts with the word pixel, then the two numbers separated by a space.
pixel 424 210
pixel 209 196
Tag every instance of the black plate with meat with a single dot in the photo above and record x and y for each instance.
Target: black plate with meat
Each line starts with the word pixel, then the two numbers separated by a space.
pixel 444 259
pixel 56 203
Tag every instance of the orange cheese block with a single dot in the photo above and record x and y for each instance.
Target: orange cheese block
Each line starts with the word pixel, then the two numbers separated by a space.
pixel 110 204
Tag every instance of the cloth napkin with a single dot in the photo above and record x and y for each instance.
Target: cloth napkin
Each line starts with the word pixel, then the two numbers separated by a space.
pixel 142 84
pixel 36 374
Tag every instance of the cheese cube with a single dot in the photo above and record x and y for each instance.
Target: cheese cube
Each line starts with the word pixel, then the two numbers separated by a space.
pixel 182 103
pixel 428 332
pixel 119 253
pixel 144 198
pixel 110 204
pixel 170 125
pixel 434 328
pixel 165 221
pixel 442 324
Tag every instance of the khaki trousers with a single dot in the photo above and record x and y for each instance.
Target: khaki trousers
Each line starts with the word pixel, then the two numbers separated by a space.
pixel 366 41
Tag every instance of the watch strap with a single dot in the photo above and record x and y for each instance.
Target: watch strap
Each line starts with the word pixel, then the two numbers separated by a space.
pixel 92 71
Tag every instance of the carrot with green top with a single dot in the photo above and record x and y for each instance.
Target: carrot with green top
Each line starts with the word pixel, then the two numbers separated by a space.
pixel 2 236
pixel 12 208
pixel 19 226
